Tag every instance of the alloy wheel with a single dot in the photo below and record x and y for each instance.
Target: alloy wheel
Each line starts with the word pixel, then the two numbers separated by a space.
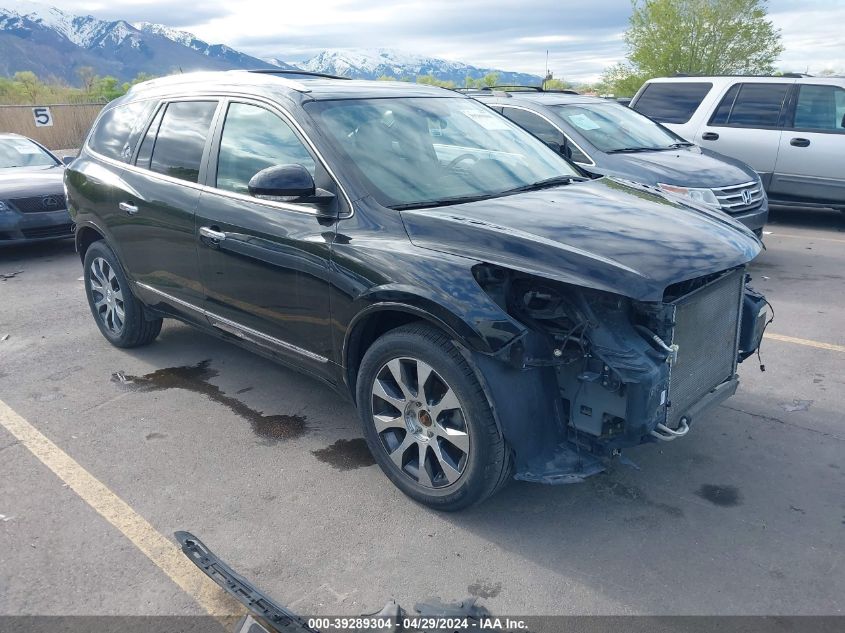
pixel 420 423
pixel 107 295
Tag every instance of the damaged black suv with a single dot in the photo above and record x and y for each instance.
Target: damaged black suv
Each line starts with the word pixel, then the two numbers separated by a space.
pixel 491 311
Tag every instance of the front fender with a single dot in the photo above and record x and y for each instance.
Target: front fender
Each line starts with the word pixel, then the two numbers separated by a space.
pixel 477 327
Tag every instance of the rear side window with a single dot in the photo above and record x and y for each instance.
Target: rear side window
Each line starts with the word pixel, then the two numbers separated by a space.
pixel 820 108
pixel 673 102
pixel 118 130
pixel 756 105
pixel 535 124
pixel 181 139
pixel 543 130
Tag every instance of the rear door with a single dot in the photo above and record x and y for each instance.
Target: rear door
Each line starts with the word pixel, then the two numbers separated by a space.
pixel 266 277
pixel 747 124
pixel 157 200
pixel 811 160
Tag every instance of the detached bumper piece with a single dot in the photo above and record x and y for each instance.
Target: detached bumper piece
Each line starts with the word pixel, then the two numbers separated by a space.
pixel 266 616
pixel 275 616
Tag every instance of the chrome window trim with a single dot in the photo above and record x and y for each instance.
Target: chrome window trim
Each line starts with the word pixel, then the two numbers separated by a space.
pixel 240 330
pixel 592 163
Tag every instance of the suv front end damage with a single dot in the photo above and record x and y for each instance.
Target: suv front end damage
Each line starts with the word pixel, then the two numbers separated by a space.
pixel 598 372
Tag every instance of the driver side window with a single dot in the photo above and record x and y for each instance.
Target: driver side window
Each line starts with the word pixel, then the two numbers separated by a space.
pixel 254 139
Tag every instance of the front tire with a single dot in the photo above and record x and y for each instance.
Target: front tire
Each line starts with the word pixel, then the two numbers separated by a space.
pixel 427 421
pixel 120 316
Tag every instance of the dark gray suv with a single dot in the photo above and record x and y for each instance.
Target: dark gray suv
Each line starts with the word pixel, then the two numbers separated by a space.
pixel 606 138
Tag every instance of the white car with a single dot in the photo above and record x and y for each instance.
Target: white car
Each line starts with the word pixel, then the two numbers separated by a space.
pixel 790 129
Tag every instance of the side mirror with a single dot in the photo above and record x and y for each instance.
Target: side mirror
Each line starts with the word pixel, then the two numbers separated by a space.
pixel 67 160
pixel 282 181
pixel 555 147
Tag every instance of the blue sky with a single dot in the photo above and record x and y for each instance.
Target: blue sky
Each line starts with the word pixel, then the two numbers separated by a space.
pixel 582 36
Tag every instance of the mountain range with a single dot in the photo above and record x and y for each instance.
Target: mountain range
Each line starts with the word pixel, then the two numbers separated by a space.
pixel 55 44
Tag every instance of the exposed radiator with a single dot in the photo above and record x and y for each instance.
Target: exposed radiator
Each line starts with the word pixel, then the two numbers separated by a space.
pixel 707 335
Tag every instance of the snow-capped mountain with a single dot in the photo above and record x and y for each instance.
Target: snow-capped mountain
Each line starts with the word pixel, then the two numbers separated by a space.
pixel 54 43
pixel 215 51
pixel 374 63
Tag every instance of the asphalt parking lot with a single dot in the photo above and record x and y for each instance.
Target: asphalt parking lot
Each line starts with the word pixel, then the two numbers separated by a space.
pixel 746 515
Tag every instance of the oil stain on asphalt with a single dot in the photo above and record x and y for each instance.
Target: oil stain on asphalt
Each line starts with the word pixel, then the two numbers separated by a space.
pixel 272 428
pixel 485 589
pixel 725 496
pixel 346 454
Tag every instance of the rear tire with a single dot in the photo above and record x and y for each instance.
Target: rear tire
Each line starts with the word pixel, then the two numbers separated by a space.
pixel 122 319
pixel 446 423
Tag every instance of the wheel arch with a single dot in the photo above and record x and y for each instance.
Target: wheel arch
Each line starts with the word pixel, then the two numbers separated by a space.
pixel 379 318
pixel 86 235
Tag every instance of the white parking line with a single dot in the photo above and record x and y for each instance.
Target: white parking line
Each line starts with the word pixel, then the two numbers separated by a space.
pixel 165 554
pixel 804 341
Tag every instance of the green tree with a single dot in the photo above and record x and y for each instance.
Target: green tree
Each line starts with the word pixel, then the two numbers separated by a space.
pixel 29 84
pixel 695 37
pixel 490 79
pixel 431 80
pixel 87 78
pixel 556 84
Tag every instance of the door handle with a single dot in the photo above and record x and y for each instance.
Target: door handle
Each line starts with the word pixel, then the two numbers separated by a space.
pixel 212 234
pixel 800 142
pixel 128 207
pixel 710 136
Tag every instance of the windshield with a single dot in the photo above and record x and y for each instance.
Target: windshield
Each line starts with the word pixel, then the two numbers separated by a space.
pixel 614 128
pixel 21 152
pixel 422 151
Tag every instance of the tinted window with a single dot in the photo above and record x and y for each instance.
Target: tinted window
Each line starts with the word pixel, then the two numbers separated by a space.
pixel 118 129
pixel 535 124
pixel 145 152
pixel 181 139
pixel 673 102
pixel 545 131
pixel 820 108
pixel 756 105
pixel 254 139
pixel 723 112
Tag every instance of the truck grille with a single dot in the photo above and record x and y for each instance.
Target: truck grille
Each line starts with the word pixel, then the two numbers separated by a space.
pixel 738 198
pixel 40 204
pixel 706 333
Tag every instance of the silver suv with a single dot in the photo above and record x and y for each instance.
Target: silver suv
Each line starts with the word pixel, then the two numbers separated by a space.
pixel 790 129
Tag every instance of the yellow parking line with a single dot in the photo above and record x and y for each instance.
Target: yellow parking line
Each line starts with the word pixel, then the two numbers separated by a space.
pixel 806 237
pixel 804 341
pixel 161 551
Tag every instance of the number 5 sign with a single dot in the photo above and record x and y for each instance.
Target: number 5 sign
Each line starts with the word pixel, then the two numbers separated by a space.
pixel 43 117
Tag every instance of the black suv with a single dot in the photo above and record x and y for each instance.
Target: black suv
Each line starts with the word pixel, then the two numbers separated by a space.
pixel 491 312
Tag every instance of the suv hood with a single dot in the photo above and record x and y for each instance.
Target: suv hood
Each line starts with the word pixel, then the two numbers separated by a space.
pixel 686 167
pixel 604 234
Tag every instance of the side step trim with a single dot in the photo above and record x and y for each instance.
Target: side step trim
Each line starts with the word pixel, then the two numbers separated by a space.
pixel 236 329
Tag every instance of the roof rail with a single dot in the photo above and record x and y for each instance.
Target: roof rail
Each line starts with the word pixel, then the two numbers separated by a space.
pixel 518 88
pixel 787 75
pixel 304 73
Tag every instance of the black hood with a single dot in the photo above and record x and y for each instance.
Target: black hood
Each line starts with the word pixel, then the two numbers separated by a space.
pixel 602 234
pixel 687 167
pixel 22 182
